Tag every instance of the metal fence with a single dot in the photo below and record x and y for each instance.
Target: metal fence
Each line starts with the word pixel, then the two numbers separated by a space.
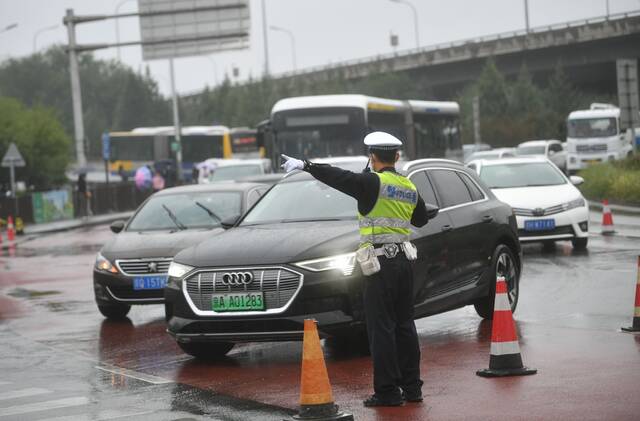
pixel 116 197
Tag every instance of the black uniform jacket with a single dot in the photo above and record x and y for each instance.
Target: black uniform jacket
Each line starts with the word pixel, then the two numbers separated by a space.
pixel 364 187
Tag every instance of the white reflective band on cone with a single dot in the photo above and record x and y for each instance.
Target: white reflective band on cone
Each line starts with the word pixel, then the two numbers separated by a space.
pixel 504 348
pixel 502 303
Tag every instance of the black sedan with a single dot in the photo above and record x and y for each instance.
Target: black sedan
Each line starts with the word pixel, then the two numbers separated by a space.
pixel 292 257
pixel 132 267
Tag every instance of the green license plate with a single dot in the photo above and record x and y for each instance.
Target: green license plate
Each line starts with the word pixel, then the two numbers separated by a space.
pixel 237 301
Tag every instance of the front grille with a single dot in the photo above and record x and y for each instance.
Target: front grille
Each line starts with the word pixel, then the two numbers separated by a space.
pixel 548 211
pixel 128 293
pixel 279 285
pixel 592 148
pixel 566 229
pixel 144 266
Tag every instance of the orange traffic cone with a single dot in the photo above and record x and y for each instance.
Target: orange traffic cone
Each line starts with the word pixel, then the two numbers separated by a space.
pixel 635 326
pixel 505 359
pixel 316 398
pixel 607 218
pixel 11 234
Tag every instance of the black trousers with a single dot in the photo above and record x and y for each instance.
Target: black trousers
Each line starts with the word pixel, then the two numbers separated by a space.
pixel 388 304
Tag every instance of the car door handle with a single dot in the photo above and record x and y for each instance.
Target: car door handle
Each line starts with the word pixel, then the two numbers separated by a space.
pixel 446 228
pixel 487 218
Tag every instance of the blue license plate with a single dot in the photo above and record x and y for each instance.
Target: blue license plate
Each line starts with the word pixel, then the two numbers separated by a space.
pixel 540 225
pixel 149 282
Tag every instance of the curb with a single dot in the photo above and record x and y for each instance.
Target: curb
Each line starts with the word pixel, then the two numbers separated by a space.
pixel 630 210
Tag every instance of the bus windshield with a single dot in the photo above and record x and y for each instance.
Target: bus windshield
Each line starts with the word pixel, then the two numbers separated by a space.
pixel 320 132
pixel 592 127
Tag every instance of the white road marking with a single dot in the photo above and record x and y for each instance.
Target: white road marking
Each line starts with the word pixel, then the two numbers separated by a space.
pixel 133 374
pixel 23 393
pixel 43 406
pixel 85 417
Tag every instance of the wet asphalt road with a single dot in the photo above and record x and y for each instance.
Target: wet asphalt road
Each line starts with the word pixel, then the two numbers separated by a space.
pixel 59 359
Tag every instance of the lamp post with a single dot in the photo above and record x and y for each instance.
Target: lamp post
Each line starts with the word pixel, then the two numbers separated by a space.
pixel 9 27
pixel 117 11
pixel 293 42
pixel 265 39
pixel 415 18
pixel 526 15
pixel 38 33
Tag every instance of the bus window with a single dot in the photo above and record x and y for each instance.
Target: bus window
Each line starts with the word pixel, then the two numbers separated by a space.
pixel 197 148
pixel 436 135
pixel 390 122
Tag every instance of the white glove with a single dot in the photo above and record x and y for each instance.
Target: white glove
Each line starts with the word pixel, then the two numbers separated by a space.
pixel 291 164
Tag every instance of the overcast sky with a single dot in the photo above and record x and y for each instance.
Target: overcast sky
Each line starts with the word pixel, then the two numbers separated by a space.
pixel 326 31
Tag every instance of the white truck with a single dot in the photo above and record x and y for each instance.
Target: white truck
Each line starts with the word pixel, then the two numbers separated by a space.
pixel 594 135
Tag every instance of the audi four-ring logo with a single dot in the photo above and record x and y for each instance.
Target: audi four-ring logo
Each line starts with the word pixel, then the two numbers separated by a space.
pixel 237 278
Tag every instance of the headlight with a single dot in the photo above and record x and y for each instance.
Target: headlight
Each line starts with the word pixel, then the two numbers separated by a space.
pixel 578 203
pixel 177 270
pixel 104 265
pixel 345 263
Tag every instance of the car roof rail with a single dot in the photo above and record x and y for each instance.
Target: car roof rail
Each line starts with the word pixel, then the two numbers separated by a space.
pixel 430 161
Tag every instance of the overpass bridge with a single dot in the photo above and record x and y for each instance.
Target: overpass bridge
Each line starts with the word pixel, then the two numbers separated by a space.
pixel 586 50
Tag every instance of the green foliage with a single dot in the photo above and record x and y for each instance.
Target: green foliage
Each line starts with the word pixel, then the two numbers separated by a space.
pixel 114 97
pixel 513 111
pixel 617 181
pixel 41 140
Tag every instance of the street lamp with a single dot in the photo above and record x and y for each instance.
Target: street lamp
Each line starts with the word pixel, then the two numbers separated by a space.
pixel 9 27
pixel 293 42
pixel 117 11
pixel 215 69
pixel 265 39
pixel 415 18
pixel 526 15
pixel 38 33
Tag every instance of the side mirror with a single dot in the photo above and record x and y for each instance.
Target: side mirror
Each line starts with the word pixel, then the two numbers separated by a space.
pixel 432 211
pixel 576 180
pixel 117 226
pixel 229 222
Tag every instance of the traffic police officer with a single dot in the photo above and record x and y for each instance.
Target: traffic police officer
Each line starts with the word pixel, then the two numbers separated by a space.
pixel 388 204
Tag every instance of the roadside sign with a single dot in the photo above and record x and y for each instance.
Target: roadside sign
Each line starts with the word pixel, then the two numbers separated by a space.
pixel 627 73
pixel 106 146
pixel 13 158
pixel 182 28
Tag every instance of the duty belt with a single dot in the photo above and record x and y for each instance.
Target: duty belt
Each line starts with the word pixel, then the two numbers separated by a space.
pixel 389 250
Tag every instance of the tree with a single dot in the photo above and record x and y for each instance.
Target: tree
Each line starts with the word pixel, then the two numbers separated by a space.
pixel 41 139
pixel 114 97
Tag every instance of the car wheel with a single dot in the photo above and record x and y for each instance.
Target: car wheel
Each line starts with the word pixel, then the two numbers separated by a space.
pixel 206 350
pixel 580 243
pixel 114 311
pixel 504 264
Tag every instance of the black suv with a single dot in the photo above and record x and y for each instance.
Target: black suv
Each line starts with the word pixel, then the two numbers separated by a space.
pixel 291 257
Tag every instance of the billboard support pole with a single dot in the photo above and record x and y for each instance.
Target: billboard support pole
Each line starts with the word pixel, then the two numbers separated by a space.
pixel 176 121
pixel 76 94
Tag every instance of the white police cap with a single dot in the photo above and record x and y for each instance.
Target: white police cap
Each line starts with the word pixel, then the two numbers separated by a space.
pixel 382 140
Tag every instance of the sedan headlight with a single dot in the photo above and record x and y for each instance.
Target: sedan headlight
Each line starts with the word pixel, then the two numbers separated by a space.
pixel 103 264
pixel 578 203
pixel 178 270
pixel 345 263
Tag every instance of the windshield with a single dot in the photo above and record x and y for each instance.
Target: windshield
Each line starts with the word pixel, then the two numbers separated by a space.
pixel 521 175
pixel 592 127
pixel 530 150
pixel 186 210
pixel 320 132
pixel 308 200
pixel 234 172
pixel 132 148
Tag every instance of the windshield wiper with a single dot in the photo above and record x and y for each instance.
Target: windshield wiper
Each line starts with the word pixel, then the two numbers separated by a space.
pixel 209 211
pixel 286 221
pixel 175 220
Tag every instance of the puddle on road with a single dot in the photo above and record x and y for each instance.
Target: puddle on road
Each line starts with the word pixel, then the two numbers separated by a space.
pixel 57 251
pixel 29 293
